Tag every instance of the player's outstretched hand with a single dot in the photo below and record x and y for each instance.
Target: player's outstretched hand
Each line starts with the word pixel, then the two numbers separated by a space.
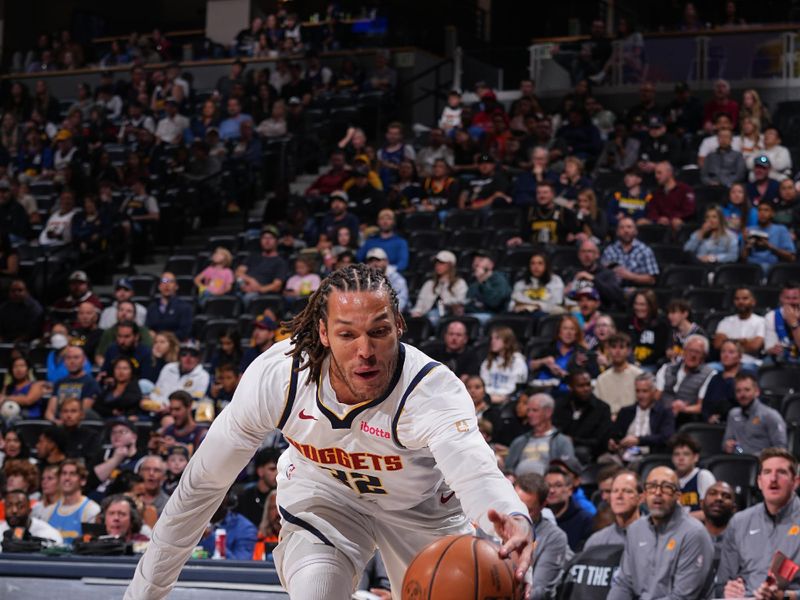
pixel 515 532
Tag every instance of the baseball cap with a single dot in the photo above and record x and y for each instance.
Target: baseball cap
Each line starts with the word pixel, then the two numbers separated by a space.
pixel 445 256
pixel 569 463
pixel 339 195
pixel 485 158
pixel 377 253
pixel 265 322
pixel 79 276
pixel 121 421
pixel 270 229
pixel 123 282
pixel 178 450
pixel 762 161
pixel 586 290
pixel 654 122
pixel 190 346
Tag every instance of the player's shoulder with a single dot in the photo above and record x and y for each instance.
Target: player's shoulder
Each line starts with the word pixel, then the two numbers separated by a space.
pixel 274 362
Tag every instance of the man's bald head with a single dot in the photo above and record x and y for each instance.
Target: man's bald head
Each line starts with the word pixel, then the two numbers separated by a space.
pixel 661 493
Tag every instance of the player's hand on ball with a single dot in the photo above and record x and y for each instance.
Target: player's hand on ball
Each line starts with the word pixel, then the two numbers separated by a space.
pixel 515 532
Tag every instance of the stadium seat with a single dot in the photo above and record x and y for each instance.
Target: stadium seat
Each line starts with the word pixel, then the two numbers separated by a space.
pixel 537 346
pixel 502 218
pixel 230 242
pixel 426 240
pixel 705 300
pixel 781 273
pixel 259 304
pixel 667 254
pixel 213 328
pixel 780 379
pixel 712 322
pixel 563 259
pixel 652 234
pixel 516 259
pixel 548 327
pixel 462 219
pixel 181 265
pixel 682 276
pixel 143 285
pixel 790 409
pixel 468 239
pixel 417 330
pixel 651 461
pixel 501 236
pixel 739 471
pixel 419 221
pixel 708 436
pixel 522 325
pixel 224 307
pixel 738 275
pixel 432 347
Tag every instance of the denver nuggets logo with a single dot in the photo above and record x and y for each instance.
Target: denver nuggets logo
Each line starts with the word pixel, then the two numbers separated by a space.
pixel 756 420
pixel 671 544
pixel 462 426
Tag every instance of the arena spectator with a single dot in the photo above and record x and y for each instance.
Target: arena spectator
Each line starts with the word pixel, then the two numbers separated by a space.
pixel 444 292
pixel 127 344
pixel 394 245
pixel 620 152
pixel 186 374
pixel 177 459
pixel 721 391
pixel 20 521
pixel 624 498
pixel 591 270
pixel 755 534
pixel 504 368
pixel 394 151
pixel 542 291
pixel 643 428
pixel 489 188
pixel 120 395
pixel 79 291
pixel 781 332
pixel 649 331
pixel 51 491
pixel 457 354
pixel 583 417
pixel 80 441
pixel 488 290
pixel 591 221
pixel 263 272
pixel 658 146
pixel 745 327
pixel 20 315
pixel 632 261
pixel 646 569
pixel 718 507
pixel 168 312
pixel 333 179
pixel 240 533
pixel 615 386
pixel 230 128
pixel 435 149
pixel 125 311
pixel 780 159
pixel 377 258
pixel 567 351
pixel 570 517
pixel 549 222
pixel 13 218
pixel 73 508
pixel 713 242
pixel 682 384
pixel 262 339
pixel 581 136
pixel 51 446
pixel 527 182
pixel 532 452
pixel 550 554
pixel 721 102
pixel 692 480
pixel 738 211
pixel 762 188
pixel 58 229
pixel 673 201
pixel 77 382
pixel 121 454
pixel 787 207
pixel 121 518
pixel 253 500
pixel 183 430
pixel 153 471
pixel 23 389
pixel 588 300
pixel 752 426
pixel 768 243
pixel 14 447
pixel 85 332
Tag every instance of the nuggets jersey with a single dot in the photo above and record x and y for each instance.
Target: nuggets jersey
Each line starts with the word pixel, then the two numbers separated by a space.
pixel 401 451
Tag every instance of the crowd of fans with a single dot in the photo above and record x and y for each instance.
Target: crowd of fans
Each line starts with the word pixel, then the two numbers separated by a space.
pixel 616 290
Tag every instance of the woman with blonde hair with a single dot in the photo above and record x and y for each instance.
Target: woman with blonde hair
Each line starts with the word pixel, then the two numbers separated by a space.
pixel 442 291
pixel 217 278
pixel 504 367
pixel 713 242
pixel 567 350
pixel 753 107
pixel 750 142
pixel 572 180
pixel 592 221
pixel 165 350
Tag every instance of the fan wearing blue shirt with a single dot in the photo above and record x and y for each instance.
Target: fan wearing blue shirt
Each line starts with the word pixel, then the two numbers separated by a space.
pixel 767 243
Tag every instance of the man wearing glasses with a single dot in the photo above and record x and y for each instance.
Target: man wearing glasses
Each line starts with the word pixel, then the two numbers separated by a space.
pixel 754 535
pixel 668 554
pixel 624 499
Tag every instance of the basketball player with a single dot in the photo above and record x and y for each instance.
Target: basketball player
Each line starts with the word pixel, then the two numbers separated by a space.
pixel 384 451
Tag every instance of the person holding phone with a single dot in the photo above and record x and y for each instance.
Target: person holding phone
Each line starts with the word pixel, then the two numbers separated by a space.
pixel 768 243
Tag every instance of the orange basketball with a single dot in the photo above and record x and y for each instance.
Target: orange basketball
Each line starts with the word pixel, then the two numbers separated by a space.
pixel 460 566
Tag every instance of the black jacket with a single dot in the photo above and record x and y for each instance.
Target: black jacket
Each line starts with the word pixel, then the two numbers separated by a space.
pixel 591 429
pixel 662 426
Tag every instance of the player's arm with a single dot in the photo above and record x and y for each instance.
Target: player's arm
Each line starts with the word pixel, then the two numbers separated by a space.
pixel 229 445
pixel 440 415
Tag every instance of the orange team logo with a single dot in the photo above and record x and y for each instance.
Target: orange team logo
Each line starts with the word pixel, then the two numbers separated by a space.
pixel 794 530
pixel 671 544
pixel 756 420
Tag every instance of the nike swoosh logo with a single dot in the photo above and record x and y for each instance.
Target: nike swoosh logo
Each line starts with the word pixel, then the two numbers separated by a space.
pixel 642 544
pixel 305 416
pixel 754 531
pixel 445 498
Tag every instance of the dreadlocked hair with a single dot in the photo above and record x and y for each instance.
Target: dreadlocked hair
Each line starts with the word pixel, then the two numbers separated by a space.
pixel 304 326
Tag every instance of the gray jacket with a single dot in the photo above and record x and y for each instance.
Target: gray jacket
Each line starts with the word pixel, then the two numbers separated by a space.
pixel 669 562
pixel 560 447
pixel 549 558
pixel 723 167
pixel 761 427
pixel 607 536
pixel 751 540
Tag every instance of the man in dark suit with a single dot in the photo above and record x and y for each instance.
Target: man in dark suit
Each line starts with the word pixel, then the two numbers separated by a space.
pixel 645 426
